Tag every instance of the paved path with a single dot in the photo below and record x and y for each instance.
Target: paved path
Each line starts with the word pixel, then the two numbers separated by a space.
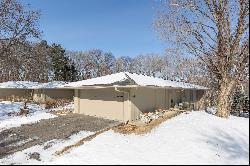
pixel 62 127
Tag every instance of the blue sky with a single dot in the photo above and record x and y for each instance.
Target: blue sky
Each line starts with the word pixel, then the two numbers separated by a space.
pixel 123 27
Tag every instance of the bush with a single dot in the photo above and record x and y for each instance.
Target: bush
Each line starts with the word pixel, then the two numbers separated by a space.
pixel 53 103
pixel 240 103
pixel 15 98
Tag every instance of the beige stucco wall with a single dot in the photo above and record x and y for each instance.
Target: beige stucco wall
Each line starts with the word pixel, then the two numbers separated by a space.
pixel 42 95
pixel 147 100
pixel 106 102
pixel 77 101
pixel 128 104
pixel 8 93
pixel 185 95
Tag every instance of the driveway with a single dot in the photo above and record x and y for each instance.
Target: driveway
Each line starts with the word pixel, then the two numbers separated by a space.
pixel 61 127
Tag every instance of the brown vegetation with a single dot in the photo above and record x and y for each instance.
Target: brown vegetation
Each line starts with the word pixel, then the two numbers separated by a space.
pixel 14 98
pixel 53 103
pixel 144 128
pixel 81 142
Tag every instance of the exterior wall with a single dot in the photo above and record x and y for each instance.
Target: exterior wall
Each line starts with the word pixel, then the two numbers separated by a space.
pixel 106 102
pixel 10 93
pixel 174 97
pixel 184 95
pixel 177 96
pixel 128 104
pixel 77 101
pixel 42 95
pixel 147 100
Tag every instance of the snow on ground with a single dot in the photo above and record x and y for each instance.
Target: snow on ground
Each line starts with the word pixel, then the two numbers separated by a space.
pixel 46 150
pixel 7 121
pixel 194 138
pixel 212 110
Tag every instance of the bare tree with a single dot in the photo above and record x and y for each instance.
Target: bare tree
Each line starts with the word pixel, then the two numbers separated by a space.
pixel 18 24
pixel 123 64
pixel 93 63
pixel 216 31
pixel 148 64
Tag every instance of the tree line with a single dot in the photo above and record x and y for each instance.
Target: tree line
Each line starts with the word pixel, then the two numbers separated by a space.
pixel 169 65
pixel 210 47
pixel 38 62
pixel 26 57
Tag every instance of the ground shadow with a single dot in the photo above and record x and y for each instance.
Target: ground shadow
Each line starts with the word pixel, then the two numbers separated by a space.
pixel 234 145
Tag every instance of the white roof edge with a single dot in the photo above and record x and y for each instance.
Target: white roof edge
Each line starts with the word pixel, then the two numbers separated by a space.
pixel 122 79
pixel 31 85
pixel 138 79
pixel 128 86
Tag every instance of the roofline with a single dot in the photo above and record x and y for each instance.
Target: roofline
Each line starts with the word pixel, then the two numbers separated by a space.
pixel 103 86
pixel 32 88
pixel 127 86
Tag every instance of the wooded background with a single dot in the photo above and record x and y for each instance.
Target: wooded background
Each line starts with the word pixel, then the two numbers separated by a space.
pixel 210 48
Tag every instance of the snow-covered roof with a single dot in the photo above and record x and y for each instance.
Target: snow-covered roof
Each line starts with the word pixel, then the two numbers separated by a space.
pixel 18 84
pixel 126 78
pixel 49 85
pixel 31 85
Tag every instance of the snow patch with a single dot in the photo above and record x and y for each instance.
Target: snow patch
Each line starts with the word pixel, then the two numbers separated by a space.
pixel 211 110
pixel 190 138
pixel 8 117
pixel 46 151
pixel 194 138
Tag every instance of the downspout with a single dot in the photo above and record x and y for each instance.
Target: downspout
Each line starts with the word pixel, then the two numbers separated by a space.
pixel 123 101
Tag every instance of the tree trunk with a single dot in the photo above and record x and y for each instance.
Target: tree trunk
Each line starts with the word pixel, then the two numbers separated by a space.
pixel 224 104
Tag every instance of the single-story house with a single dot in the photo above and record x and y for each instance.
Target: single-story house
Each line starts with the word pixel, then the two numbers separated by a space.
pixel 16 90
pixel 10 93
pixel 49 91
pixel 124 96
pixel 38 92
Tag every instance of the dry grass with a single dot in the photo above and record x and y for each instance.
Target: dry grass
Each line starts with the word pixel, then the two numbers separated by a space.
pixel 146 128
pixel 53 103
pixel 15 99
pixel 81 142
pixel 62 112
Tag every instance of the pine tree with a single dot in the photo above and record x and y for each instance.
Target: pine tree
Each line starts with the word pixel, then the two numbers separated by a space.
pixel 240 103
pixel 63 68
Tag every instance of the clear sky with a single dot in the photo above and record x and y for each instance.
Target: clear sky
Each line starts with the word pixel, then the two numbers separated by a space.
pixel 123 27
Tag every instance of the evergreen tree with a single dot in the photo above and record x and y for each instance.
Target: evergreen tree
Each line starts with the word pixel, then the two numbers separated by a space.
pixel 63 68
pixel 74 72
pixel 240 103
